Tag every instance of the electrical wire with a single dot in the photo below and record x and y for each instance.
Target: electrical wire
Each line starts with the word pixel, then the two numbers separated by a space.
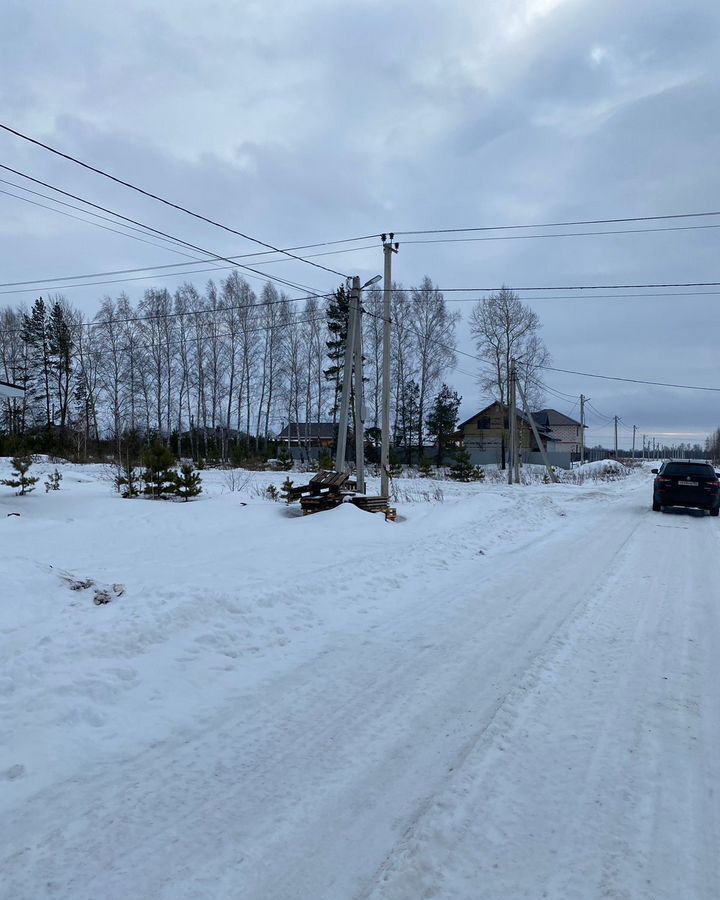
pixel 687 387
pixel 156 231
pixel 68 215
pixel 614 221
pixel 163 200
pixel 38 286
pixel 561 234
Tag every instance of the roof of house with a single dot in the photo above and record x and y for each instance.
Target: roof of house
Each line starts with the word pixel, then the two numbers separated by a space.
pixel 10 390
pixel 551 418
pixel 541 427
pixel 317 430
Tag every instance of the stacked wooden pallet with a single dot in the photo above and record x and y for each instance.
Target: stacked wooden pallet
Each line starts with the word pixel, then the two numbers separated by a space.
pixel 329 489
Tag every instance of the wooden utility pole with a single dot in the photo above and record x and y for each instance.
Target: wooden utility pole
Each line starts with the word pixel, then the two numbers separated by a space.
pixel 388 250
pixel 634 431
pixel 582 428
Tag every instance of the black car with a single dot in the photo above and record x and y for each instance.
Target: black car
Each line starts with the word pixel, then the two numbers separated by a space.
pixel 686 484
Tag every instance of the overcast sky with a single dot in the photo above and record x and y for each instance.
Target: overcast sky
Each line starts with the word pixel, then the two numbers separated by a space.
pixel 298 122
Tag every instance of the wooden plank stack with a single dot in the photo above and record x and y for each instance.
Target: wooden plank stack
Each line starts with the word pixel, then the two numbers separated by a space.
pixel 329 489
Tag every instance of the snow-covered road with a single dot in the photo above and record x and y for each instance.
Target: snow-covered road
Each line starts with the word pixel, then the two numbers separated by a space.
pixel 520 705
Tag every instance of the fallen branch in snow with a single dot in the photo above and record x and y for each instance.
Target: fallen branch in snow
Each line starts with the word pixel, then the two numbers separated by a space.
pixel 103 593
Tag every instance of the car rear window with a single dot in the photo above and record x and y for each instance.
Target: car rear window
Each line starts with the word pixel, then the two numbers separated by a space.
pixel 699 470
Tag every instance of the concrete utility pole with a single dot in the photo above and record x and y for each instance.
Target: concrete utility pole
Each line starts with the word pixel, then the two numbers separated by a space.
pixel 340 461
pixel 513 421
pixel 583 400
pixel 634 430
pixel 616 421
pixel 388 250
pixel 359 400
pixel 644 436
pixel 550 470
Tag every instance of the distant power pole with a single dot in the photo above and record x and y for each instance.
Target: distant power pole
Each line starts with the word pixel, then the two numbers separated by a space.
pixel 644 436
pixel 513 423
pixel 616 423
pixel 388 249
pixel 583 400
pixel 634 431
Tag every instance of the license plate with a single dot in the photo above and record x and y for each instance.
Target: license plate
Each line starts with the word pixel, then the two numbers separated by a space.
pixel 688 483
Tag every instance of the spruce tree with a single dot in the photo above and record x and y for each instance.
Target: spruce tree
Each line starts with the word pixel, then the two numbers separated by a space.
pixel 159 475
pixel 287 486
pixel 442 421
pixel 52 483
pixel 463 469
pixel 21 479
pixel 337 313
pixel 187 482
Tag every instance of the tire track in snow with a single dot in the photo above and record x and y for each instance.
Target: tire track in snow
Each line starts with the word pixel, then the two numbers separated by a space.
pixel 597 783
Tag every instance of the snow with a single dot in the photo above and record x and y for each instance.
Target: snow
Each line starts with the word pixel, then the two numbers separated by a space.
pixel 510 692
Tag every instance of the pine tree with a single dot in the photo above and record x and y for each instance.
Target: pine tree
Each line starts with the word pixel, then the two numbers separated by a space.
pixel 52 482
pixel 272 493
pixel 287 486
pixel 21 480
pixel 337 313
pixel 463 469
pixel 188 482
pixel 325 462
pixel 127 480
pixel 159 476
pixel 284 458
pixel 425 467
pixel 442 421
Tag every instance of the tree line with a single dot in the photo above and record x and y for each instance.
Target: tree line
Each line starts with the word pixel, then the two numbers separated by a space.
pixel 212 373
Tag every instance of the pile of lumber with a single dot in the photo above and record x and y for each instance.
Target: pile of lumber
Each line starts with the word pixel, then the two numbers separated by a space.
pixel 329 489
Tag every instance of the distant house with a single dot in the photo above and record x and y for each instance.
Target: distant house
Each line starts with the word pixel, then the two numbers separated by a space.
pixel 309 434
pixel 485 432
pixel 563 431
pixel 11 391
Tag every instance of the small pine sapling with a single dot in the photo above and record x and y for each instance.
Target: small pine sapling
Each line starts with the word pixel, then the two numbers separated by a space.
pixel 188 482
pixel 127 481
pixel 159 476
pixel 325 462
pixel 463 469
pixel 285 461
pixel 21 479
pixel 272 493
pixel 425 467
pixel 287 486
pixel 53 481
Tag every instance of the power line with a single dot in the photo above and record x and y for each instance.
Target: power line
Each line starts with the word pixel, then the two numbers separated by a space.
pixel 687 387
pixel 615 221
pixel 163 200
pixel 561 234
pixel 97 224
pixel 209 253
pixel 38 286
pixel 570 287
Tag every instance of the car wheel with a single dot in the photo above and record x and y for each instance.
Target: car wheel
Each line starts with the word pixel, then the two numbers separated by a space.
pixel 656 506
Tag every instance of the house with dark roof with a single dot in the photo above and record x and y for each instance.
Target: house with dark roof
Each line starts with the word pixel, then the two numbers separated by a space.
pixel 486 432
pixel 563 431
pixel 309 434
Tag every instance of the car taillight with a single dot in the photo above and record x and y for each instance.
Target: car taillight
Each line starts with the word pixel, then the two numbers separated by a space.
pixel 661 480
